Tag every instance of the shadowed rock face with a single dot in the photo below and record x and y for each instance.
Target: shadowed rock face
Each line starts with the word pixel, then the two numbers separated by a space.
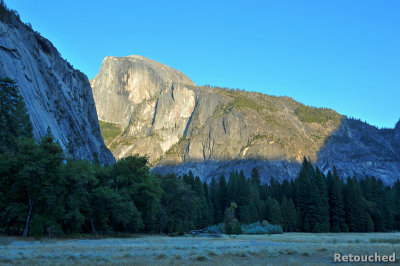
pixel 358 149
pixel 56 95
pixel 158 112
pixel 397 135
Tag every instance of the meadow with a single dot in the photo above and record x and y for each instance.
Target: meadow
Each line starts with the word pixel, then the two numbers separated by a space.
pixel 291 248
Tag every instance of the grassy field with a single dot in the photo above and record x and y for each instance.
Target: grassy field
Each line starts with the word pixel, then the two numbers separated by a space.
pixel 290 248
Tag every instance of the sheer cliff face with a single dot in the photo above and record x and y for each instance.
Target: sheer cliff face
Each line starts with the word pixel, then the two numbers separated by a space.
pixel 150 102
pixel 150 109
pixel 124 83
pixel 158 112
pixel 56 95
pixel 397 134
pixel 358 149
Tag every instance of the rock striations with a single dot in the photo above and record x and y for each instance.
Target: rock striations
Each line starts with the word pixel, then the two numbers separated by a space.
pixel 151 109
pixel 56 95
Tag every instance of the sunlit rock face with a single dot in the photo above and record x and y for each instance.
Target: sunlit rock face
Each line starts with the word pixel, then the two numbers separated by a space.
pixel 56 95
pixel 125 82
pixel 156 111
pixel 150 101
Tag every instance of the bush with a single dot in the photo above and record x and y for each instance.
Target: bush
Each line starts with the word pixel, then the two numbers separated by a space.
pixel 261 229
pixel 315 115
pixel 233 227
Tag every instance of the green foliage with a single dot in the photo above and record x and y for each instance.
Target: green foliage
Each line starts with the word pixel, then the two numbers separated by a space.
pixel 176 214
pixel 109 131
pixel 289 214
pixel 273 211
pixel 42 193
pixel 261 229
pixel 336 204
pixel 232 225
pixel 241 102
pixel 316 115
pixel 15 124
pixel 113 211
pixel 237 101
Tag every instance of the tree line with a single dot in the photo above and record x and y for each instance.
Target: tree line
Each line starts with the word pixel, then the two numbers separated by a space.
pixel 43 192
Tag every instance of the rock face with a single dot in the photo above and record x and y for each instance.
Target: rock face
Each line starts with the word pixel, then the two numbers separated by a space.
pixel 149 101
pixel 158 112
pixel 56 95
pixel 358 149
pixel 397 134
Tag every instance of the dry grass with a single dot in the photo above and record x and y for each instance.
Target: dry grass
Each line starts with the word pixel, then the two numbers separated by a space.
pixel 288 248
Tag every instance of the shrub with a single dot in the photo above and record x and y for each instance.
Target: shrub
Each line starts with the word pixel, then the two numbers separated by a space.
pixel 233 227
pixel 260 229
pixel 109 131
pixel 315 115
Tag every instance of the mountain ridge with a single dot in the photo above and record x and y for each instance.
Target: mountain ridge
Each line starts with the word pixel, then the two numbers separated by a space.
pixel 223 130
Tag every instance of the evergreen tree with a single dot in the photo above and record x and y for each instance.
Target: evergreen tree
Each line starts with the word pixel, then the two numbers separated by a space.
pixel 215 201
pixel 355 209
pixel 289 215
pixel 322 219
pixel 222 194
pixel 177 213
pixel 336 202
pixel 15 124
pixel 273 214
pixel 131 175
pixel 291 221
pixel 232 225
pixel 307 198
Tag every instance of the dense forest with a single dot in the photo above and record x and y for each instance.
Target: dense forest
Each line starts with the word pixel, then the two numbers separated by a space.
pixel 43 192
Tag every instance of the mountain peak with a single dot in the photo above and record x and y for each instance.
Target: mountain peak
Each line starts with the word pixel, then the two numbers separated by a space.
pixel 157 111
pixel 138 62
pixel 124 82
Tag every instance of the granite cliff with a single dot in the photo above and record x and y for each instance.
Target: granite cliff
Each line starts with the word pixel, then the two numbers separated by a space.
pixel 150 109
pixel 56 95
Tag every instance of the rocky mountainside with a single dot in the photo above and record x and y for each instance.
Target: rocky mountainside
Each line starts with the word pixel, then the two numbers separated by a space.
pixel 359 149
pixel 149 109
pixel 56 95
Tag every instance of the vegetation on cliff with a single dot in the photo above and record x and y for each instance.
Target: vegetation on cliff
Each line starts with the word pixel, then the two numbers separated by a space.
pixel 109 131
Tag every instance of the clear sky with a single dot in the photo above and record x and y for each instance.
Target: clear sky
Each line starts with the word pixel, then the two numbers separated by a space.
pixel 342 54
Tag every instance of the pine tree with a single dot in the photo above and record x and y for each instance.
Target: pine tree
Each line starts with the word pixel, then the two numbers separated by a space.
pixel 322 219
pixel 289 215
pixel 291 220
pixel 355 208
pixel 15 123
pixel 307 197
pixel 285 214
pixel 215 201
pixel 336 202
pixel 222 195
pixel 273 214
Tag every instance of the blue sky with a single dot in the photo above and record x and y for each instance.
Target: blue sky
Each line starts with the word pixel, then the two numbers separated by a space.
pixel 339 54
